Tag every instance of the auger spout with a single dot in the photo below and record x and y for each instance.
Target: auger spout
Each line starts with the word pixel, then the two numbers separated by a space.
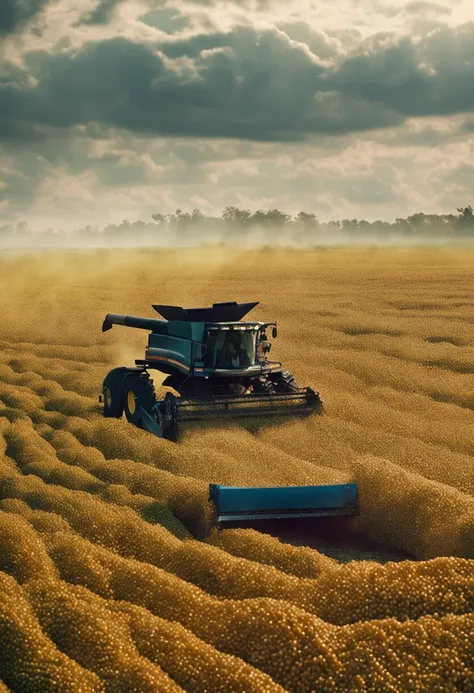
pixel 150 324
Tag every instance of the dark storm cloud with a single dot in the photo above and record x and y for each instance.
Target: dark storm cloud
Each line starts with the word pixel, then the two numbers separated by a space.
pixel 261 88
pixel 243 84
pixel 434 77
pixel 14 14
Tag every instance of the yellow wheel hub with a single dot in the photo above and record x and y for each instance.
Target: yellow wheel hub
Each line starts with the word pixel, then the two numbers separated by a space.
pixel 131 403
pixel 108 396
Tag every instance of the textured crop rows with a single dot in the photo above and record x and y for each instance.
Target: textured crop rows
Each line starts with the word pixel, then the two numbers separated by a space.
pixel 111 577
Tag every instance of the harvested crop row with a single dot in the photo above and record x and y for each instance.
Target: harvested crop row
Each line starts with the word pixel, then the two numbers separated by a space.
pixel 131 650
pixel 353 430
pixel 29 660
pixel 310 652
pixel 341 595
pixel 423 432
pixel 36 455
pixel 294 560
pixel 28 370
pixel 210 568
pixel 422 517
pixel 374 369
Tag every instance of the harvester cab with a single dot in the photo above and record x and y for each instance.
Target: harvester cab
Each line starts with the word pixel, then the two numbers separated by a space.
pixel 219 367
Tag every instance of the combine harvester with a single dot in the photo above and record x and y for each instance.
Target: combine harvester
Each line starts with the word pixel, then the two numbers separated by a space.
pixel 219 367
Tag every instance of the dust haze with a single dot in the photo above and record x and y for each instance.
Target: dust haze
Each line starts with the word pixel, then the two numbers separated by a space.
pixel 183 233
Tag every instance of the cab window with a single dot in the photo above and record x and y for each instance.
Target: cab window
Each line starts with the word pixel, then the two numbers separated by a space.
pixel 235 348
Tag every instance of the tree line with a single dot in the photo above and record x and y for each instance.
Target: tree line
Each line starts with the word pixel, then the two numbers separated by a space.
pixel 269 226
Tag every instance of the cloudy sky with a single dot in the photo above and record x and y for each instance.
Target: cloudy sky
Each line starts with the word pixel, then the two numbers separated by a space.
pixel 113 109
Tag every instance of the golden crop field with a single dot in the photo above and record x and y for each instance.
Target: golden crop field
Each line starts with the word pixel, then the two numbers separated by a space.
pixel 111 576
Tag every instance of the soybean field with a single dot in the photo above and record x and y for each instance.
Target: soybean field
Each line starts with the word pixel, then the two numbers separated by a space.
pixel 112 577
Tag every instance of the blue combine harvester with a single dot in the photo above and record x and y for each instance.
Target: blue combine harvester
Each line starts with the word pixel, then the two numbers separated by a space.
pixel 220 369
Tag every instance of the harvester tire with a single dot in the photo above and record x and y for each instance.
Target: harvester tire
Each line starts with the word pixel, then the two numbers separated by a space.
pixel 286 382
pixel 171 430
pixel 138 393
pixel 112 393
pixel 263 386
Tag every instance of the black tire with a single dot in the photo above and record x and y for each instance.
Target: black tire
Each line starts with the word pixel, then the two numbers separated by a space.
pixel 263 386
pixel 112 393
pixel 138 392
pixel 169 406
pixel 286 382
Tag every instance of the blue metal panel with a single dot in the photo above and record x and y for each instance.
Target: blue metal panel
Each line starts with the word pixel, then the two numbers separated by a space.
pixel 197 331
pixel 179 349
pixel 157 341
pixel 180 329
pixel 246 503
pixel 150 424
pixel 173 350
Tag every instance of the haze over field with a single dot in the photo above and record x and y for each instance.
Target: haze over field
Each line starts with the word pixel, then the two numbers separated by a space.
pixel 239 228
pixel 118 109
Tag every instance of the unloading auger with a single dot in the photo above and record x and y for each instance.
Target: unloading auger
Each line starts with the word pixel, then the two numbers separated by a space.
pixel 220 369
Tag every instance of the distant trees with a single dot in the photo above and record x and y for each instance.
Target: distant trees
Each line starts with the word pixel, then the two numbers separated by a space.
pixel 307 220
pixel 235 223
pixel 180 219
pixel 466 212
pixel 159 219
pixel 243 217
pixel 236 217
pixel 402 226
pixel 18 230
pixel 271 218
pixel 350 226
pixel 465 221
